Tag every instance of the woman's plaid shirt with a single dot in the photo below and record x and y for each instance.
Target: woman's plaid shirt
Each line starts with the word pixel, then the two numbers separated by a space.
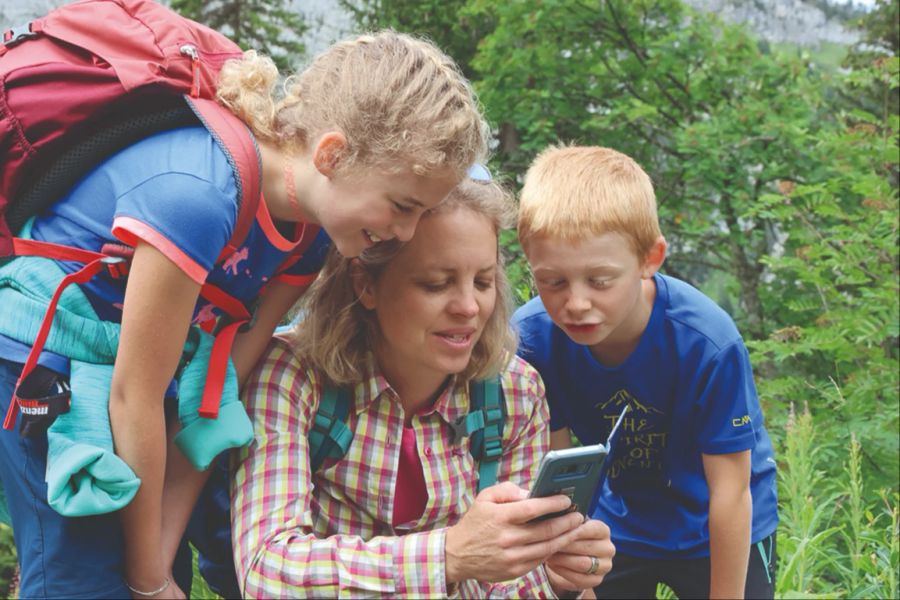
pixel 329 533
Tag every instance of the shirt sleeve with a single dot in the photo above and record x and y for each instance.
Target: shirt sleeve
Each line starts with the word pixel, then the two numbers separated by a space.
pixel 725 402
pixel 277 553
pixel 535 346
pixel 526 438
pixel 185 217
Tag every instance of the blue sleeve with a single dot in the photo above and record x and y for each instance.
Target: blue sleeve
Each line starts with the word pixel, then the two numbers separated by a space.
pixel 535 348
pixel 186 217
pixel 726 403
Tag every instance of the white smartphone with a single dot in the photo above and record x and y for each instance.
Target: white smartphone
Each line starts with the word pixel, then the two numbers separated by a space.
pixel 573 472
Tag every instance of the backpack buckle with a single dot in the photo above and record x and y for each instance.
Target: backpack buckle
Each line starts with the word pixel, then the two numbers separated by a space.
pixel 253 309
pixel 116 266
pixel 15 35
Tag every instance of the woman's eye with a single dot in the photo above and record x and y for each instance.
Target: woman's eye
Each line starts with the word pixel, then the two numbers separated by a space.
pixel 433 286
pixel 484 284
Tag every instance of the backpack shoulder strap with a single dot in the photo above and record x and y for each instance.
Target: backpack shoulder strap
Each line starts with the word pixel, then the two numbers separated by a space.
pixel 239 146
pixel 484 423
pixel 330 435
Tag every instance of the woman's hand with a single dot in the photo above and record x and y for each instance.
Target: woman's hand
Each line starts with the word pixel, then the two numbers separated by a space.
pixel 583 563
pixel 494 541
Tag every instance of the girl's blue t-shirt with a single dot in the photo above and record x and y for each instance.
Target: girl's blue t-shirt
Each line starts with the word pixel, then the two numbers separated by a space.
pixel 690 387
pixel 176 191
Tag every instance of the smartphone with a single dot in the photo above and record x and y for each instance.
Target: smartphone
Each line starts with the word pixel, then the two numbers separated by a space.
pixel 574 472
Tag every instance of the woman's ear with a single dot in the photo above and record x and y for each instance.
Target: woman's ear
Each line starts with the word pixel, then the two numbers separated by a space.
pixel 655 258
pixel 362 284
pixel 328 152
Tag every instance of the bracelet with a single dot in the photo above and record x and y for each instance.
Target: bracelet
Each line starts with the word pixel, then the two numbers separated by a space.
pixel 159 590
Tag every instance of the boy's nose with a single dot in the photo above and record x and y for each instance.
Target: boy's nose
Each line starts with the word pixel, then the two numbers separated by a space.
pixel 577 303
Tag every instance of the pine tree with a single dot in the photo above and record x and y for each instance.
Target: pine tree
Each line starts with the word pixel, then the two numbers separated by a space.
pixel 272 27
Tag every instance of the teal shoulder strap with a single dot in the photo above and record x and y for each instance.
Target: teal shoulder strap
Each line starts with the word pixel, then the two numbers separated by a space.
pixel 330 435
pixel 484 424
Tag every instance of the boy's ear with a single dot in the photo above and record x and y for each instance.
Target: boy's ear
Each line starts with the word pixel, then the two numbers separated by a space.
pixel 328 152
pixel 361 284
pixel 655 258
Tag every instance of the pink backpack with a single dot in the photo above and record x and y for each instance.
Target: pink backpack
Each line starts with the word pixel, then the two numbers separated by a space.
pixel 89 79
pixel 94 62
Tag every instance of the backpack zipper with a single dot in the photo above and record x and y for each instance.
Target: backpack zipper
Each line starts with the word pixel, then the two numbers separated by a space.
pixel 191 51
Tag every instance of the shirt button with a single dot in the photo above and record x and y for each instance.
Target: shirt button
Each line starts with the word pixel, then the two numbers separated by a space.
pixel 428 451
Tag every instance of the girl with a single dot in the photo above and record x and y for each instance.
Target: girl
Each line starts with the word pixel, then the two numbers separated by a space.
pixel 406 327
pixel 374 132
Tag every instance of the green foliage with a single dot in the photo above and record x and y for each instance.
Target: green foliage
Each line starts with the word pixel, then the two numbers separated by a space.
pixel 836 283
pixel 7 560
pixel 269 26
pixel 833 540
pixel 442 21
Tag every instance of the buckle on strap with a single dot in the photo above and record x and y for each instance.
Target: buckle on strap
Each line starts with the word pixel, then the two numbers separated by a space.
pixel 253 309
pixel 15 35
pixel 466 425
pixel 116 266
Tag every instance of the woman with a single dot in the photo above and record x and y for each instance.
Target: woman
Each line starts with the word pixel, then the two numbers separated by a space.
pixel 405 327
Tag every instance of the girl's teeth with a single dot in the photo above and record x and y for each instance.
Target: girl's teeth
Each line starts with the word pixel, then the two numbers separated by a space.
pixel 373 237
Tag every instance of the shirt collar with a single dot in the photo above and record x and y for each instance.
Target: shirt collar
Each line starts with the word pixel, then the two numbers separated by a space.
pixel 452 403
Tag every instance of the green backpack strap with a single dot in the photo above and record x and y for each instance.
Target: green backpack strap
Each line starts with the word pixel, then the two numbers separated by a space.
pixel 330 435
pixel 484 424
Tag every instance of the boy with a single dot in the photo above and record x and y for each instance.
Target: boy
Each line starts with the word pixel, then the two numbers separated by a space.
pixel 690 490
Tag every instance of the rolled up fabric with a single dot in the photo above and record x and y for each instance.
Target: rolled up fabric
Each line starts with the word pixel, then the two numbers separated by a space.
pixel 201 439
pixel 84 475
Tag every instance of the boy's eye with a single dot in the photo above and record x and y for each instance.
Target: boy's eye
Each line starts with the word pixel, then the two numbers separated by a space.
pixel 551 283
pixel 599 283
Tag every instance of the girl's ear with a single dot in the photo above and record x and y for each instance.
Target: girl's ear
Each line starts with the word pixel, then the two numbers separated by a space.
pixel 328 152
pixel 655 258
pixel 362 284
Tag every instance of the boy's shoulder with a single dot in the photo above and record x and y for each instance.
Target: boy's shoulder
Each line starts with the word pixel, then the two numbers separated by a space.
pixel 692 313
pixel 539 337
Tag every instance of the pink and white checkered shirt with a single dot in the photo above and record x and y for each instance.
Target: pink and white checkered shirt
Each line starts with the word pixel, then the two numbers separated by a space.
pixel 329 533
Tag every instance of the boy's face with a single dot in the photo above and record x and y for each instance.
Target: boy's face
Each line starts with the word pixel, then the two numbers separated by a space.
pixel 595 289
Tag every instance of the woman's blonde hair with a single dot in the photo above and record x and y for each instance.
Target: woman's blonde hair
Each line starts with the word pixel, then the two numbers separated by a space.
pixel 573 192
pixel 337 332
pixel 400 102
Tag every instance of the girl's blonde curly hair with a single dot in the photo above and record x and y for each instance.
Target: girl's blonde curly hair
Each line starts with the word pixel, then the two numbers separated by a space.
pixel 337 332
pixel 400 102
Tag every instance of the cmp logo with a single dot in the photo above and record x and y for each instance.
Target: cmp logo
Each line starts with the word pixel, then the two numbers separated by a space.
pixel 740 422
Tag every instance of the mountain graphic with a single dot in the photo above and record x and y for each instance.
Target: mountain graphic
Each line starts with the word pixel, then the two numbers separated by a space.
pixel 621 398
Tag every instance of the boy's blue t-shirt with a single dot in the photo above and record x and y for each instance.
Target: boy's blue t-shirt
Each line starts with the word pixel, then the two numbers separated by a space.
pixel 176 191
pixel 690 387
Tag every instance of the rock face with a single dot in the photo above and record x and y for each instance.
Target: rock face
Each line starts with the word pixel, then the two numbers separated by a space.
pixel 793 21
